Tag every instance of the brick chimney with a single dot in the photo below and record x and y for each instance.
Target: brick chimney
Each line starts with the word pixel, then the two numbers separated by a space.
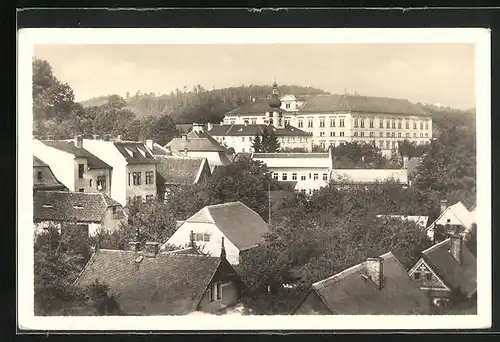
pixel 222 250
pixel 184 137
pixel 456 248
pixel 79 141
pixel 443 206
pixel 151 249
pixel 375 270
pixel 149 144
pixel 119 137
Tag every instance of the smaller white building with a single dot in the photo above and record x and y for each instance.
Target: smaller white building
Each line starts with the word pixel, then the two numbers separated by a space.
pixel 456 217
pixel 241 227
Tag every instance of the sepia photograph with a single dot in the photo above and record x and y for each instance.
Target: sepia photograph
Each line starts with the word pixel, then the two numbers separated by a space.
pixel 256 176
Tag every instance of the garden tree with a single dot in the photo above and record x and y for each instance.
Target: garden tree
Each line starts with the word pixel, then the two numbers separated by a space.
pixel 162 130
pixel 273 143
pixel 409 149
pixel 471 240
pixel 152 219
pixel 256 143
pixel 124 118
pixel 264 140
pixel 132 130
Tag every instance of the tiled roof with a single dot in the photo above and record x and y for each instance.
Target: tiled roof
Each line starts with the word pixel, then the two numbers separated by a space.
pixel 69 147
pixel 168 284
pixel 453 274
pixel 134 152
pixel 240 224
pixel 299 155
pixel 159 150
pixel 351 292
pixel 178 170
pixel 257 107
pixel 70 206
pixel 196 141
pixel 359 103
pixel 251 130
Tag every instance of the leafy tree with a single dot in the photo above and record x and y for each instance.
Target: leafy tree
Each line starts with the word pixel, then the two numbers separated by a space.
pixel 273 144
pixel 256 143
pixel 163 130
pixel 471 240
pixel 264 141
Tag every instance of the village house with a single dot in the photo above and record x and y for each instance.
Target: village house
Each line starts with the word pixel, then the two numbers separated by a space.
pixel 44 178
pixel 446 270
pixel 76 167
pixel 144 281
pixel 241 227
pixel 88 212
pixel 198 143
pixel 336 118
pixel 377 286
pixel 454 219
pixel 172 171
pixel 134 167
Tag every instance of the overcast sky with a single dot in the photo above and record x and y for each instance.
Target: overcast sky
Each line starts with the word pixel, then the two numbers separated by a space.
pixel 430 73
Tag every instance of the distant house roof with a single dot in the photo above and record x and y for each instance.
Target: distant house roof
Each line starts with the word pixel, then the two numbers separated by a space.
pixel 134 152
pixel 352 292
pixel 240 224
pixel 178 170
pixel 361 104
pixel 69 147
pixel 257 107
pixel 453 274
pixel 197 142
pixel 70 206
pixel 253 129
pixel 159 150
pixel 460 214
pixel 168 284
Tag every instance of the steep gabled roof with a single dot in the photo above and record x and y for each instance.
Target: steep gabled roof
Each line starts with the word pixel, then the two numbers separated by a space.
pixel 253 129
pixel 70 206
pixel 460 212
pixel 178 170
pixel 454 274
pixel 257 107
pixel 134 152
pixel 352 292
pixel 240 224
pixel 196 141
pixel 361 104
pixel 46 183
pixel 168 284
pixel 69 147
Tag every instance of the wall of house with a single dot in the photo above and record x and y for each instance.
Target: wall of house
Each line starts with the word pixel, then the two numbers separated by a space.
pixel 61 163
pixel 107 152
pixel 110 221
pixel 82 184
pixel 244 143
pixel 143 189
pixel 434 283
pixel 181 237
pixel 93 174
pixel 370 175
pixel 48 177
pixel 312 305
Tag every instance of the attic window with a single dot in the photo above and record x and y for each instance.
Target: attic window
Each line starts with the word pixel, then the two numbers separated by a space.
pixel 78 206
pixel 142 152
pixel 47 206
pixel 129 152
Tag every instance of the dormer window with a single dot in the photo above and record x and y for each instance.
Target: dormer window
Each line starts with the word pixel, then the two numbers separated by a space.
pixel 129 152
pixel 142 152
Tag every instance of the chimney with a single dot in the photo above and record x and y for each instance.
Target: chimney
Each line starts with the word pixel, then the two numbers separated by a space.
pixel 456 248
pixel 198 128
pixel 192 244
pixel 118 137
pixel 405 162
pixel 209 126
pixel 79 141
pixel 151 249
pixel 149 144
pixel 246 123
pixel 375 270
pixel 186 151
pixel 95 136
pixel 222 250
pixel 444 205
pixel 184 137
pixel 134 246
pixel 169 151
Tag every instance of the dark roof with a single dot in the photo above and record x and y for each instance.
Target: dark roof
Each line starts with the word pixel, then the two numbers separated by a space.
pixel 168 284
pixel 252 129
pixel 70 206
pixel 196 142
pixel 178 170
pixel 259 107
pixel 69 147
pixel 300 155
pixel 453 274
pixel 240 224
pixel 362 104
pixel 38 162
pixel 350 292
pixel 135 148
pixel 159 150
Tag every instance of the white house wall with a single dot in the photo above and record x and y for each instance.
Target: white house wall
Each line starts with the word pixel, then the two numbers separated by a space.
pixel 370 175
pixel 61 163
pixel 182 237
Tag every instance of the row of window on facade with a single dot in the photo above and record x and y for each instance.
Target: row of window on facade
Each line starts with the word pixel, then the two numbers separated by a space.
pixel 134 178
pixel 303 176
pixel 388 134
pixel 360 123
pixel 310 123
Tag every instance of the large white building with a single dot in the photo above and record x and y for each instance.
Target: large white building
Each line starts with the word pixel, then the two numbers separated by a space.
pixel 332 119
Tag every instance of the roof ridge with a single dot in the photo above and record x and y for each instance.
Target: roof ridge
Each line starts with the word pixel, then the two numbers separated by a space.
pixel 223 204
pixel 338 276
pixel 439 244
